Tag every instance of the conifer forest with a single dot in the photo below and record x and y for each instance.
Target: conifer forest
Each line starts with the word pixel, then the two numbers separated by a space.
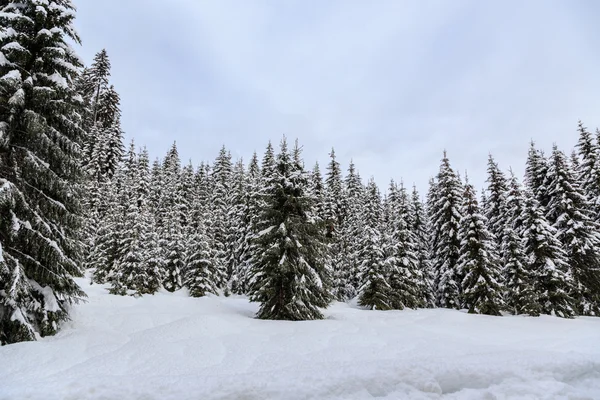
pixel 291 237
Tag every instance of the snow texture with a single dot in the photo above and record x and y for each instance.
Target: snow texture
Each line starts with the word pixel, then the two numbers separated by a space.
pixel 171 346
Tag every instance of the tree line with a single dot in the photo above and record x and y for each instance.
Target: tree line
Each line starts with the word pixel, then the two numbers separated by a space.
pixel 288 236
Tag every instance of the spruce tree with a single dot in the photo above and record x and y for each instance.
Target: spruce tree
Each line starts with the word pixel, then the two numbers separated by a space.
pixel 547 261
pixel 374 291
pixel 407 283
pixel 446 199
pixel 536 169
pixel 40 174
pixel 495 203
pixel 201 273
pixel 519 281
pixel 352 228
pixel 172 235
pixel 588 172
pixel 420 228
pixel 479 262
pixel 220 205
pixel 289 279
pixel 569 214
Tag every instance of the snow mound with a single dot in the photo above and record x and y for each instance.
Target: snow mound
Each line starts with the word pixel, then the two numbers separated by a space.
pixel 170 346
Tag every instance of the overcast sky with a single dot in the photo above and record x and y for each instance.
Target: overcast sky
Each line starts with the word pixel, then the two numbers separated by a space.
pixel 390 84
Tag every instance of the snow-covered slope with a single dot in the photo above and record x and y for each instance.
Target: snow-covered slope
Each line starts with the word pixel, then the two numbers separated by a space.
pixel 170 346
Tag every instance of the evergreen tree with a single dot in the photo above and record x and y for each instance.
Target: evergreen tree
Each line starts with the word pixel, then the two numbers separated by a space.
pixel 289 279
pixel 317 190
pixel 236 228
pixel 495 203
pixel 446 199
pixel 479 262
pixel 172 240
pixel 40 175
pixel 201 274
pixel 220 204
pixel 420 228
pixel 547 261
pixel 407 283
pixel 375 291
pixel 520 296
pixel 535 175
pixel 588 172
pixel 352 228
pixel 569 214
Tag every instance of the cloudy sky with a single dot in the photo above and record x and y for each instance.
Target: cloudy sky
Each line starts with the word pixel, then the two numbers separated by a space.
pixel 390 84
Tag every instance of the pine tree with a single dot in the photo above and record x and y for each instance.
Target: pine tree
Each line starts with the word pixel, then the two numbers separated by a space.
pixel 138 270
pixel 172 240
pixel 420 228
pixel 588 172
pixel 520 296
pixel 547 261
pixel 446 199
pixel 220 204
pixel 289 279
pixel 317 190
pixel 375 291
pixel 407 282
pixel 479 262
pixel 535 175
pixel 40 175
pixel 236 228
pixel 352 228
pixel 569 214
pixel 495 203
pixel 201 273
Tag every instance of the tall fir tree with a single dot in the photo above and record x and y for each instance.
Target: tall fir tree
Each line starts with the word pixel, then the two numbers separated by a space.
pixel 289 279
pixel 547 261
pixel 220 204
pixel 588 171
pixel 40 142
pixel 445 216
pixel 407 283
pixel 495 203
pixel 569 213
pixel 519 294
pixel 374 291
pixel 421 230
pixel 479 262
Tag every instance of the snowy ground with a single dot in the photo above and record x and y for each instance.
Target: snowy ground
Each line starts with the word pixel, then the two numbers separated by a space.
pixel 170 346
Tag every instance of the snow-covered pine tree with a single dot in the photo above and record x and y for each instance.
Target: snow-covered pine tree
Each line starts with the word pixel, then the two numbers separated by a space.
pixel 352 228
pixel 536 169
pixel 201 273
pixel 317 190
pixel 172 235
pixel 420 228
pixel 588 172
pixel 334 218
pixel 519 294
pixel 138 270
pixel 40 174
pixel 236 228
pixel 569 213
pixel 495 202
pixel 479 262
pixel 289 279
pixel 250 215
pixel 446 201
pixel 407 283
pixel 220 204
pixel 547 261
pixel 374 290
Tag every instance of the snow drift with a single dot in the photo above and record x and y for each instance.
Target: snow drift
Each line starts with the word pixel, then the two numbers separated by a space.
pixel 170 346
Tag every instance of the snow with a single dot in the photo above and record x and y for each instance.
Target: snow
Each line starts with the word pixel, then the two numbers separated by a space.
pixel 170 346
